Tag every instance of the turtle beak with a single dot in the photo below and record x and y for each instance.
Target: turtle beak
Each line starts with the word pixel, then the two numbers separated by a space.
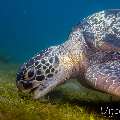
pixel 27 86
pixel 24 86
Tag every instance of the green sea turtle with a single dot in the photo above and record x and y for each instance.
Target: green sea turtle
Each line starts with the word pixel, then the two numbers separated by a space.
pixel 91 54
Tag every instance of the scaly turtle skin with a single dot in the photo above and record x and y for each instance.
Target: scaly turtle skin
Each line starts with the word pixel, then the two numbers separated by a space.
pixel 91 54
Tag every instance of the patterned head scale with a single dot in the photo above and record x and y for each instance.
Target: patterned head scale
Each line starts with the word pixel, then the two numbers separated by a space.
pixel 38 71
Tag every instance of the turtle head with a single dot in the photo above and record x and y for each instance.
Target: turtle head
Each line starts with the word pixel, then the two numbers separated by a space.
pixel 41 73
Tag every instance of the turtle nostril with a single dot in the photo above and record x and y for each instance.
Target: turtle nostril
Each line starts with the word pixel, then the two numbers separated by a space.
pixel 20 73
pixel 19 76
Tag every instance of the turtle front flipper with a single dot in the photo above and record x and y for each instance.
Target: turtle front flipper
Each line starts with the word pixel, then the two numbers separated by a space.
pixel 105 77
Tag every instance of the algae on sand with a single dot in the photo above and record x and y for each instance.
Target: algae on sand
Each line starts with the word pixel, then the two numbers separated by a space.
pixel 15 107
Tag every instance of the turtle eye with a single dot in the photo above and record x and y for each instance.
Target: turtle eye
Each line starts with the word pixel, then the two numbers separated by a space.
pixel 30 74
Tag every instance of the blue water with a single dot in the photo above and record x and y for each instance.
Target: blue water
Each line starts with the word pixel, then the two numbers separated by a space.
pixel 28 26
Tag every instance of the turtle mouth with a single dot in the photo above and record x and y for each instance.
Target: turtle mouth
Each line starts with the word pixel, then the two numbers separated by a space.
pixel 33 89
pixel 35 85
pixel 27 87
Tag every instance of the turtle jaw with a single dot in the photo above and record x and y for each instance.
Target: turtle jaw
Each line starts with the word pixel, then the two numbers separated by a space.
pixel 27 87
pixel 36 88
pixel 45 88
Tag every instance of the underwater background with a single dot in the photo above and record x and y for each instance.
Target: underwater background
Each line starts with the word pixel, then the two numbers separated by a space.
pixel 28 26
